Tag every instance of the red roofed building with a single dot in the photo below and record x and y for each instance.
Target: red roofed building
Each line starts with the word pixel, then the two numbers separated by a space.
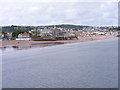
pixel 24 36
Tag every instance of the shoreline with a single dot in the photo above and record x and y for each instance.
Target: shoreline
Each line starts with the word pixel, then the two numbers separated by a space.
pixel 81 39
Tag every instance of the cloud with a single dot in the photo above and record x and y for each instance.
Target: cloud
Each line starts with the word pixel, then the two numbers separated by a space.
pixel 44 13
pixel 59 0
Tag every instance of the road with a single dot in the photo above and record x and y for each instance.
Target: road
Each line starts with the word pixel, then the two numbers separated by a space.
pixel 92 64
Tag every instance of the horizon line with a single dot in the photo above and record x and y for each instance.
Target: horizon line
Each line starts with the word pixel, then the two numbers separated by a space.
pixel 60 24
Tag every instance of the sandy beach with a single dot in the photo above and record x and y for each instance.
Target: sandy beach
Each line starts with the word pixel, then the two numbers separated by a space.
pixel 81 39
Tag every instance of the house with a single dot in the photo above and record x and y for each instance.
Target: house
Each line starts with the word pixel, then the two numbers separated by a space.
pixel 5 36
pixel 8 36
pixel 1 36
pixel 24 36
pixel 45 32
pixel 56 32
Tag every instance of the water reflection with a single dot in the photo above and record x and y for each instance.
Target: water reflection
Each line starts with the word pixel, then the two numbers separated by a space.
pixel 28 46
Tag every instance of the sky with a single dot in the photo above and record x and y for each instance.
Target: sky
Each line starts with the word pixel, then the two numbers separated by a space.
pixel 48 12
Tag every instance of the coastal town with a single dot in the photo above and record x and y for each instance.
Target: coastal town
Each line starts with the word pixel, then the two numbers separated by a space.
pixel 59 44
pixel 55 32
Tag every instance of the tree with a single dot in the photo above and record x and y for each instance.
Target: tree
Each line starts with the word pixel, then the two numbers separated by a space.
pixel 15 33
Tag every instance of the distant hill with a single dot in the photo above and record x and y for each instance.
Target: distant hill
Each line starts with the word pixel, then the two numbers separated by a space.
pixel 15 28
pixel 28 28
pixel 67 26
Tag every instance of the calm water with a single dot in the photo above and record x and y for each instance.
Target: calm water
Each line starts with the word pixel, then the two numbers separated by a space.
pixel 92 64
pixel 9 48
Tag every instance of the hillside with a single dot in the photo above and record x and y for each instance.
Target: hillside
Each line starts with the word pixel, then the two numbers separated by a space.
pixel 28 28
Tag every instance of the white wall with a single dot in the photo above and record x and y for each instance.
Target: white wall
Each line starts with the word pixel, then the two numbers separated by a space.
pixel 26 39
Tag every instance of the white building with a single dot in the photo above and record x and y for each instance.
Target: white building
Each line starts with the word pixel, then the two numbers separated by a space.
pixel 24 36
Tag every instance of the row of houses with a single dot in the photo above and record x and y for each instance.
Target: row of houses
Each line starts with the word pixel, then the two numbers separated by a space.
pixel 58 32
pixel 8 36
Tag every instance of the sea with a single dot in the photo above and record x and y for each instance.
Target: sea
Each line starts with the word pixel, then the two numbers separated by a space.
pixel 91 64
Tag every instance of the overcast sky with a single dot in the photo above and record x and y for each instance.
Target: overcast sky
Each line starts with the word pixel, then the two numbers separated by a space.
pixel 34 12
